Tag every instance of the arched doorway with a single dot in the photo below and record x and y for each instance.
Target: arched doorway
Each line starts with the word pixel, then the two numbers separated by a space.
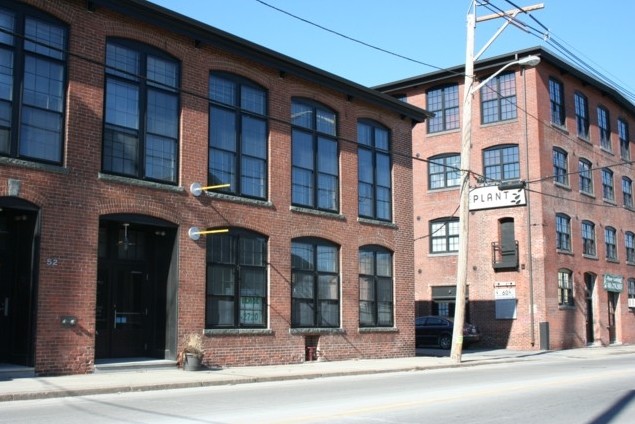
pixel 135 307
pixel 19 252
pixel 589 288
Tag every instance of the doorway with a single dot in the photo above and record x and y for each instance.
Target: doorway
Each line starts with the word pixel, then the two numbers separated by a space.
pixel 613 299
pixel 19 241
pixel 135 259
pixel 589 281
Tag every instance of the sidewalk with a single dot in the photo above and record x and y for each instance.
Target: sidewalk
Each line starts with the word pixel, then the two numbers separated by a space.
pixel 16 385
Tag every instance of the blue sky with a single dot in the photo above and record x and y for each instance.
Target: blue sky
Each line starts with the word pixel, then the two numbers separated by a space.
pixel 431 32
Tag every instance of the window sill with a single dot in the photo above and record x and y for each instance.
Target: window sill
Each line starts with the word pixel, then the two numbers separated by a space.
pixel 315 331
pixel 630 263
pixel 323 214
pixel 140 183
pixel 592 257
pixel 607 150
pixel 564 186
pixel 58 169
pixel 442 132
pixel 239 199
pixel 238 332
pixel 369 221
pixel 443 189
pixel 502 122
pixel 588 194
pixel 612 260
pixel 566 307
pixel 610 201
pixel 564 252
pixel 584 138
pixel 365 330
pixel 560 127
pixel 440 254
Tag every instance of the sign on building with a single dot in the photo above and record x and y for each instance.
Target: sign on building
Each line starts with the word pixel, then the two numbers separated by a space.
pixel 491 197
pixel 613 283
pixel 505 300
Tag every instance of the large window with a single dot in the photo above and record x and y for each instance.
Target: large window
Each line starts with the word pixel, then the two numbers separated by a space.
pixel 32 85
pixel 563 232
pixel 315 284
pixel 142 112
pixel 444 171
pixel 629 244
pixel 556 95
pixel 236 280
pixel 565 287
pixel 238 136
pixel 582 115
pixel 625 144
pixel 374 164
pixel 588 239
pixel 604 125
pixel 444 235
pixel 498 99
pixel 375 287
pixel 608 190
pixel 315 175
pixel 501 163
pixel 610 240
pixel 627 189
pixel 560 166
pixel 444 103
pixel 586 177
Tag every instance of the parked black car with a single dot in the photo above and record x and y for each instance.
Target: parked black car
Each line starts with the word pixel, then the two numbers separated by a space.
pixel 437 331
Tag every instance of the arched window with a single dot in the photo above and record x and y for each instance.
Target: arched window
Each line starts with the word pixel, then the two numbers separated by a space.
pixel 374 171
pixel 315 283
pixel 237 135
pixel 375 287
pixel 236 280
pixel 501 163
pixel 141 130
pixel 563 232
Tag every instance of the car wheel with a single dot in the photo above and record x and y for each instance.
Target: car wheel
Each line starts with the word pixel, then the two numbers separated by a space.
pixel 445 341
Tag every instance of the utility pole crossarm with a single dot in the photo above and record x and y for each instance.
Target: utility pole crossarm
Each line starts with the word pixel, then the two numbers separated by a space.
pixel 510 13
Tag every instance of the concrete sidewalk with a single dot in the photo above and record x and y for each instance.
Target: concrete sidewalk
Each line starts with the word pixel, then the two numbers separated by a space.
pixel 17 384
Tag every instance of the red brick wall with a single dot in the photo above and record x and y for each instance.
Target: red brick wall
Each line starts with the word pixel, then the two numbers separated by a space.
pixel 567 325
pixel 73 198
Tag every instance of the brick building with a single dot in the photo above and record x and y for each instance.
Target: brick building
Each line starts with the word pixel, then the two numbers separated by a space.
pixel 113 115
pixel 549 265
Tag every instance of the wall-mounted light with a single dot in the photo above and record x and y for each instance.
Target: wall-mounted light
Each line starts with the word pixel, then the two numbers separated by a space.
pixel 69 321
pixel 195 233
pixel 196 188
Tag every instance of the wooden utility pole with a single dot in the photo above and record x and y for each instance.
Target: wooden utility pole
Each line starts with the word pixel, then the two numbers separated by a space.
pixel 466 148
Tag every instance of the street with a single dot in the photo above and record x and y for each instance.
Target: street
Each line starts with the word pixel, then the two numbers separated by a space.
pixel 560 390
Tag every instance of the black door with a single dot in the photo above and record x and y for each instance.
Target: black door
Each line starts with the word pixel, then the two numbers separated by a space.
pixel 130 314
pixel 17 284
pixel 590 284
pixel 612 306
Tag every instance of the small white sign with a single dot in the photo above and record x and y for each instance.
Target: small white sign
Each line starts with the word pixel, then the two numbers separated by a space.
pixel 505 293
pixel 490 197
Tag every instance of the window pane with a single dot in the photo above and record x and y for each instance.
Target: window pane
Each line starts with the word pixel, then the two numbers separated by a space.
pixel 302 286
pixel 327 192
pixel 43 84
pixel 365 199
pixel 44 38
pixel 366 263
pixel 253 99
pixel 327 156
pixel 302 187
pixel 365 165
pixel 364 134
pixel 163 72
pixel 252 311
pixel 329 314
pixel 6 74
pixel 383 170
pixel 328 287
pixel 220 312
pixel 221 281
pixel 222 167
pixel 7 24
pixel 120 151
pixel 223 129
pixel 161 158
pixel 326 122
pixel 252 180
pixel 254 137
pixel 384 264
pixel 122 104
pixel 302 115
pixel 41 134
pixel 122 62
pixel 252 282
pixel 252 251
pixel 302 256
pixel 302 150
pixel 162 114
pixel 327 258
pixel 222 90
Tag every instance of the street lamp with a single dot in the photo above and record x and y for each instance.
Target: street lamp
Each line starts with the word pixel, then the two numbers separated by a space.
pixel 466 147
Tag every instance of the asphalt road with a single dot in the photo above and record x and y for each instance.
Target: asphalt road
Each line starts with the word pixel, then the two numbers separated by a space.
pixel 563 390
